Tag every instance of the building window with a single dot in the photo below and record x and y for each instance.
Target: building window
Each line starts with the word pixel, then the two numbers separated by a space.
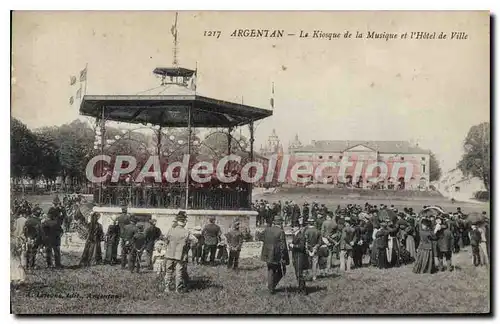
pixel 402 158
pixel 330 157
pixel 340 157
pixel 423 158
pixel 423 168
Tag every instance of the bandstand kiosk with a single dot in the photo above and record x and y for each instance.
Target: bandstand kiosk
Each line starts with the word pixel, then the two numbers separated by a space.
pixel 176 104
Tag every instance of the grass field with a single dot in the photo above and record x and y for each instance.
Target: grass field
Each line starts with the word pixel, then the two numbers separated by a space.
pixel 216 290
pixel 332 201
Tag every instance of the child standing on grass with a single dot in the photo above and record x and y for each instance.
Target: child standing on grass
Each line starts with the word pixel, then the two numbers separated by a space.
pixel 159 260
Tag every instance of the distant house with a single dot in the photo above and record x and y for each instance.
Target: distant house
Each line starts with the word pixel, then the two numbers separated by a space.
pixel 454 183
pixel 394 154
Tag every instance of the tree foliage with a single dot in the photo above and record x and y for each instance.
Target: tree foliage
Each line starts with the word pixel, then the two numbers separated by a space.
pixel 65 150
pixel 215 145
pixel 434 168
pixel 22 150
pixel 476 158
pixel 74 142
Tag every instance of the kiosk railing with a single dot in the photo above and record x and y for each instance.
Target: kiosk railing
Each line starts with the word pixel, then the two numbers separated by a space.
pixel 216 198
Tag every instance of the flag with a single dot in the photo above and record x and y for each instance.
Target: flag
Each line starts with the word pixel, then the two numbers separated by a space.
pixel 71 100
pixel 72 80
pixel 272 97
pixel 173 30
pixel 83 75
pixel 79 93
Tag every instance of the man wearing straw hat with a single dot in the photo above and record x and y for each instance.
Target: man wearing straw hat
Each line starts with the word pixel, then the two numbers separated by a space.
pixel 178 240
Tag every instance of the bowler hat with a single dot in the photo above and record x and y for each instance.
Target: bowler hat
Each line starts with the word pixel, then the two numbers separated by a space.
pixel 278 219
pixel 181 216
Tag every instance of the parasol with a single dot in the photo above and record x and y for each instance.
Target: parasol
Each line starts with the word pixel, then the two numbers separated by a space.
pixel 475 218
pixel 402 222
pixel 82 214
pixel 387 215
pixel 431 211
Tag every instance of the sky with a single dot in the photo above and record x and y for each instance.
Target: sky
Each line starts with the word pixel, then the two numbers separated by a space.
pixel 429 91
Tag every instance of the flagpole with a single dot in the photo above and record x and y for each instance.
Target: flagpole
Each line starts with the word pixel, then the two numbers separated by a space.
pixel 86 78
pixel 196 78
pixel 272 97
pixel 174 33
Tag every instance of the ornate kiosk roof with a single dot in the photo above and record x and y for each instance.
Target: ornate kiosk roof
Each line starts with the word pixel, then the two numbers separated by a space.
pixel 169 108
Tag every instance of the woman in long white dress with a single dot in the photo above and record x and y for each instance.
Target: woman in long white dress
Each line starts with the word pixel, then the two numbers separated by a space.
pixel 18 252
pixel 18 262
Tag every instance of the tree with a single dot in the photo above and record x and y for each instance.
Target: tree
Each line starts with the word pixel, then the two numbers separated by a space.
pixel 48 152
pixel 23 151
pixel 476 158
pixel 75 147
pixel 215 145
pixel 175 143
pixel 434 168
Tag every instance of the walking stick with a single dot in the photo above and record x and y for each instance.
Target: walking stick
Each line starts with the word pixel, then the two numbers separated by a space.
pixel 283 270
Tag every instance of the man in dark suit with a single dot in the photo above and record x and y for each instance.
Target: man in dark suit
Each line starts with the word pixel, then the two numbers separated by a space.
pixel 212 236
pixel 300 258
pixel 33 233
pixel 275 253
pixel 295 214
pixel 305 212
pixel 152 234
pixel 137 246
pixel 52 232
pixel 445 242
pixel 328 228
pixel 313 242
pixel 128 233
pixel 122 221
pixel 59 211
pixel 234 244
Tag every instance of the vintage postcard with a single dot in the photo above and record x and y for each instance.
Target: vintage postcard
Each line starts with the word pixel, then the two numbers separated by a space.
pixel 215 162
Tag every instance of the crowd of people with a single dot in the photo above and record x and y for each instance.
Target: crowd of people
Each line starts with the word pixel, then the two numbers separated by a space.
pixel 386 236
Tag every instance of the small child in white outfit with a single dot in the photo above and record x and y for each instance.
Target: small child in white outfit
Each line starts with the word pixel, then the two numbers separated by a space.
pixel 159 260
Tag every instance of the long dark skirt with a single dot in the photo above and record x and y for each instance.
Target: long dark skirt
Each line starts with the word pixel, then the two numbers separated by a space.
pixel 374 256
pixel 424 262
pixel 410 246
pixel 91 253
pixel 111 251
pixel 382 258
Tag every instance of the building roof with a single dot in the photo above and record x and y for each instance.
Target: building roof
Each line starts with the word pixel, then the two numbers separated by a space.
pixel 174 71
pixel 168 106
pixel 398 147
pixel 296 143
